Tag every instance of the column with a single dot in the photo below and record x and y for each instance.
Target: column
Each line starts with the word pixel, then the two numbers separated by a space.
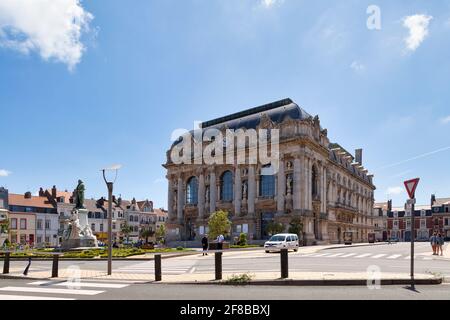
pixel 304 181
pixel 180 201
pixel 201 196
pixel 281 188
pixel 251 190
pixel 212 192
pixel 296 196
pixel 170 198
pixel 308 184
pixel 237 191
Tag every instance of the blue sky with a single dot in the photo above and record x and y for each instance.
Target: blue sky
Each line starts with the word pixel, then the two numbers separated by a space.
pixel 73 101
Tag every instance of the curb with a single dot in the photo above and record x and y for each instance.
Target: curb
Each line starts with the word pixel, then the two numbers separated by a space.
pixel 292 282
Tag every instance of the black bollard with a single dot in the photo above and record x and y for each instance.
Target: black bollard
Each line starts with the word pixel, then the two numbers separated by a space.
pixel 55 266
pixel 158 271
pixel 6 263
pixel 284 263
pixel 218 260
pixel 25 272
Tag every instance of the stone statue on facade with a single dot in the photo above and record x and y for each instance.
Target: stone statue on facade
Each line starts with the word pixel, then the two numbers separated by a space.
pixel 244 190
pixel 289 185
pixel 207 194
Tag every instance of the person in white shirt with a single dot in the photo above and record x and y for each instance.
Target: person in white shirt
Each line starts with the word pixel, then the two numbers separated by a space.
pixel 220 240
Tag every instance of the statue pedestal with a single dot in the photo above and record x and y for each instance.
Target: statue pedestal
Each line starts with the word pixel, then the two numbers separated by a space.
pixel 80 232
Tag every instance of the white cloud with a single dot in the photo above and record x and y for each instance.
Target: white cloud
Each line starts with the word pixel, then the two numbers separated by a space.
pixel 50 28
pixel 4 173
pixel 445 120
pixel 270 3
pixel 395 190
pixel 418 30
pixel 357 66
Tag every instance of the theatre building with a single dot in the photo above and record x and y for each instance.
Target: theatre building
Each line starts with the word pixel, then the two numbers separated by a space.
pixel 316 181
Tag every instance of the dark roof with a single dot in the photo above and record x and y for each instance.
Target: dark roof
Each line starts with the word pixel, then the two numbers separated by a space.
pixel 250 119
pixel 277 111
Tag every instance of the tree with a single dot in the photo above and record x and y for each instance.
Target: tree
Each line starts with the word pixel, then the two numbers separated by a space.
pixel 126 230
pixel 274 228
pixel 146 233
pixel 219 223
pixel 296 226
pixel 161 233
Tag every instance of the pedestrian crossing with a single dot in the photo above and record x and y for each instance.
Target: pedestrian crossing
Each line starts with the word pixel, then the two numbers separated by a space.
pixel 354 255
pixel 148 267
pixel 58 290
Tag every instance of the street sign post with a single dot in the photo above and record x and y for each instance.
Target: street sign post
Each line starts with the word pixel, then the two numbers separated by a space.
pixel 411 186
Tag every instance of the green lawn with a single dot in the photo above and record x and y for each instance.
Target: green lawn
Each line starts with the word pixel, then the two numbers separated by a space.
pixel 95 253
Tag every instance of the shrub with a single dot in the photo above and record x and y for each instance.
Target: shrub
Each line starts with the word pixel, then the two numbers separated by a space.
pixel 242 239
pixel 180 248
pixel 241 279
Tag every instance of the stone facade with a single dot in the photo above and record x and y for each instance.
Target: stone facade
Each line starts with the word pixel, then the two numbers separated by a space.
pixel 316 181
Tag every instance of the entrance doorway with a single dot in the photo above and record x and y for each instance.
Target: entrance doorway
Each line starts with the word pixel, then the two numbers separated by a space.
pixel 266 219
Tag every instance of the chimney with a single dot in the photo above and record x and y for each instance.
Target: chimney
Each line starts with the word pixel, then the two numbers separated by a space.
pixel 41 192
pixel 433 199
pixel 389 204
pixel 27 195
pixel 358 156
pixel 113 199
pixel 54 192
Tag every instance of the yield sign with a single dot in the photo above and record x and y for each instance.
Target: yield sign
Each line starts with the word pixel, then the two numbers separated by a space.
pixel 411 186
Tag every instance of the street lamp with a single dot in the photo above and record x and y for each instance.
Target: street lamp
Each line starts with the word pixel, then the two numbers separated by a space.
pixel 109 184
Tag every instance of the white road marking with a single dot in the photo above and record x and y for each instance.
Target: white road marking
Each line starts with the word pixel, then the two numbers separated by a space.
pixel 363 255
pixel 427 258
pixel 378 256
pixel 348 255
pixel 336 255
pixel 321 255
pixel 394 256
pixel 51 290
pixel 81 284
pixel 15 297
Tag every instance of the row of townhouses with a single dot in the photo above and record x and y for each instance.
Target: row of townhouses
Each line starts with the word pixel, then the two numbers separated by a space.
pixel 40 220
pixel 395 222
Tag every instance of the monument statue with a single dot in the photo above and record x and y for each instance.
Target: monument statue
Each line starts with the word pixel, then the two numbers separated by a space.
pixel 79 195
pixel 78 233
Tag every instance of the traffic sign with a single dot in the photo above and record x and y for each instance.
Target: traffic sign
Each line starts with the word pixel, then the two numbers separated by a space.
pixel 411 186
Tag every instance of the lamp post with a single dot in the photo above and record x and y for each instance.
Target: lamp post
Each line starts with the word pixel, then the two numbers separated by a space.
pixel 109 185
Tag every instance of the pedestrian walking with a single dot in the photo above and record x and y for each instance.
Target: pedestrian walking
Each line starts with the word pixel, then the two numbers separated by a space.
pixel 220 240
pixel 440 244
pixel 205 244
pixel 433 242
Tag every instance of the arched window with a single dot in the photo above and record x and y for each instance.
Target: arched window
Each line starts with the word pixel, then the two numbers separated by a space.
pixel 192 191
pixel 267 186
pixel 314 182
pixel 226 186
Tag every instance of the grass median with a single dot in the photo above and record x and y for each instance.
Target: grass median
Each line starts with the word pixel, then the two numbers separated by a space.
pixel 93 253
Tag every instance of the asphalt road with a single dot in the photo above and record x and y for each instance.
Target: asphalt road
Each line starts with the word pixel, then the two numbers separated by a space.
pixel 389 258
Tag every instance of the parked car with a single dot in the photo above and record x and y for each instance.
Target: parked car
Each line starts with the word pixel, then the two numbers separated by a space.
pixel 282 241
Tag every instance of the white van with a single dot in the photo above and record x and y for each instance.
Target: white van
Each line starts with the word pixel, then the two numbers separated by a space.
pixel 282 241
